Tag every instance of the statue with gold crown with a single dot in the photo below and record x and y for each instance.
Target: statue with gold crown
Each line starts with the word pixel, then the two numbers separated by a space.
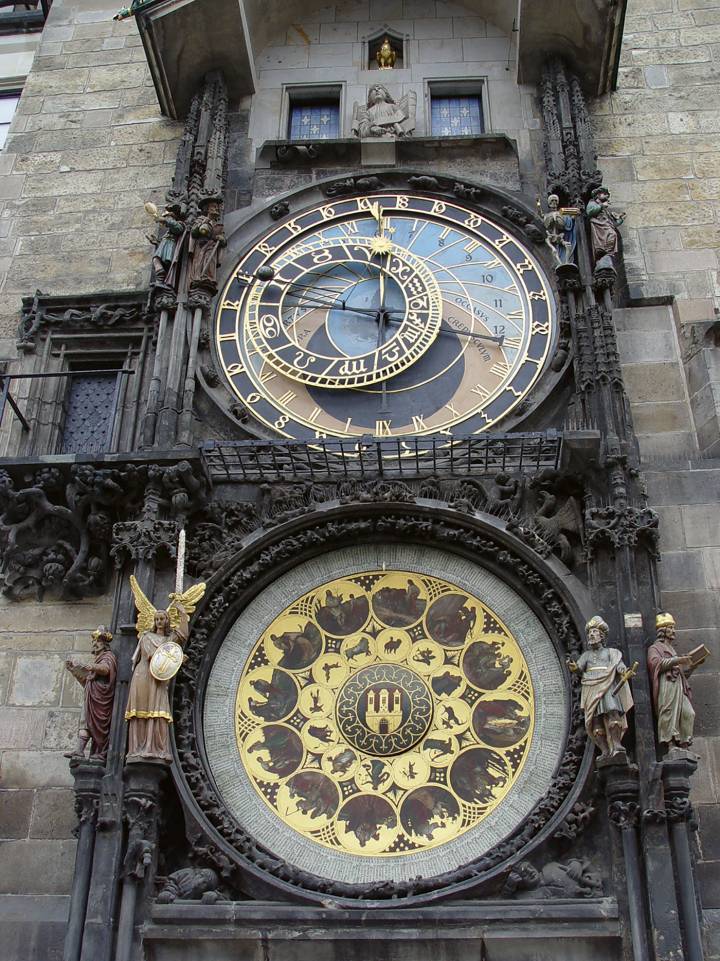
pixel 157 659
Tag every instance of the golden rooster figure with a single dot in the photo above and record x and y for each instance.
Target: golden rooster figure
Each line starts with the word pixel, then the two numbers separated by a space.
pixel 157 658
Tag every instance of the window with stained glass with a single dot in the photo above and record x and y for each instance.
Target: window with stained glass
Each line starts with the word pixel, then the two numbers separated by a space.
pixel 315 121
pixel 459 116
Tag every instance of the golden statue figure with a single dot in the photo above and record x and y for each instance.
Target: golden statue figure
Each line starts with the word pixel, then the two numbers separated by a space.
pixel 385 55
pixel 157 658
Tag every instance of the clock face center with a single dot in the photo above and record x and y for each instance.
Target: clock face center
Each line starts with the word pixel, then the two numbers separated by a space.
pixel 384 709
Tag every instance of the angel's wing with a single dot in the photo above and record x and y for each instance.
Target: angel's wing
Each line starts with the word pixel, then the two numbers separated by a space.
pixel 360 116
pixel 189 600
pixel 408 106
pixel 146 611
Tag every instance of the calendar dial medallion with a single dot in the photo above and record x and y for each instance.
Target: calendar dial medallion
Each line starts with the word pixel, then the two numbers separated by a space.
pixel 389 315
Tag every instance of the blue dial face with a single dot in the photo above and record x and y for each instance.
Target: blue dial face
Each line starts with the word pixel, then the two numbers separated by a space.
pixel 388 315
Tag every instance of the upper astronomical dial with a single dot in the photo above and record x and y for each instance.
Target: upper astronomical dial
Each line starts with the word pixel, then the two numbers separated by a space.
pixel 388 315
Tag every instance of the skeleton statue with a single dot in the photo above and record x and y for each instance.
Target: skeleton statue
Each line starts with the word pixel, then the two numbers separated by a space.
pixel 383 116
pixel 606 697
pixel 157 658
pixel 98 681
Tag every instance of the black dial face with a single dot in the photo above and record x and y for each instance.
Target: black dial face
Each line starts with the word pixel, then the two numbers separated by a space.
pixel 389 314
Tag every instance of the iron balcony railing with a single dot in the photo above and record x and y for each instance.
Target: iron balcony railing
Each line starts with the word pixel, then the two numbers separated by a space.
pixel 381 457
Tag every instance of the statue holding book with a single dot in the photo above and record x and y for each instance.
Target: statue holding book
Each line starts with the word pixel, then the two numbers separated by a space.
pixel 669 672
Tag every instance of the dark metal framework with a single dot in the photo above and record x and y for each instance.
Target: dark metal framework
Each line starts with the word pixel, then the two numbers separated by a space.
pixel 484 454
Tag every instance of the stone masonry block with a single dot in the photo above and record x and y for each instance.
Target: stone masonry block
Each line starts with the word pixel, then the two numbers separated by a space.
pixel 646 383
pixel 709 820
pixel 706 701
pixel 15 811
pixel 660 418
pixel 647 347
pixel 53 814
pixel 37 867
pixel 679 571
pixel 692 609
pixel 670 262
pixel 711 564
pixel 34 769
pixel 643 318
pixel 36 680
pixel 117 75
pixel 705 784
pixel 672 536
pixel 21 727
pixel 700 487
pixel 663 168
pixel 702 525
pixel 61 728
pixel 50 617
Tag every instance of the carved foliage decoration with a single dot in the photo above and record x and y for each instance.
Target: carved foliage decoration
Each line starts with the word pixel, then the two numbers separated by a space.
pixel 55 529
pixel 395 522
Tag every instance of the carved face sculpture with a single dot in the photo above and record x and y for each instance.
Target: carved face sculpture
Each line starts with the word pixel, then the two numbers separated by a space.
pixel 162 622
pixel 553 202
pixel 595 638
pixel 379 94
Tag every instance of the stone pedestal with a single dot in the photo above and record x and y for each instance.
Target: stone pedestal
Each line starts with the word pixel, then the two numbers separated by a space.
pixel 620 781
pixel 141 811
pixel 88 782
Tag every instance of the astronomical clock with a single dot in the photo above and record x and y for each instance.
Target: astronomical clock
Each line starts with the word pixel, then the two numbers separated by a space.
pixel 389 314
pixel 384 705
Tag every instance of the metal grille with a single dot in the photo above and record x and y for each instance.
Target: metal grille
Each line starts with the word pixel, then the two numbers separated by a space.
pixel 373 457
pixel 315 121
pixel 89 412
pixel 456 116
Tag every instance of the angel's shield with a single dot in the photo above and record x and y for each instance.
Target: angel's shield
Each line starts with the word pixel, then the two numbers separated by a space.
pixel 166 661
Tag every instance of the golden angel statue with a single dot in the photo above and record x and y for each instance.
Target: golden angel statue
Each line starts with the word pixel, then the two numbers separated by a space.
pixel 157 658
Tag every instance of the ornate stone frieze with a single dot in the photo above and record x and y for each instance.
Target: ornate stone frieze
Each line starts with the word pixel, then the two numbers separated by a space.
pixel 95 312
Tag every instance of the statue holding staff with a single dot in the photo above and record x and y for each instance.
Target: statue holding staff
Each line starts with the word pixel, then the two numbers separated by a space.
pixel 157 658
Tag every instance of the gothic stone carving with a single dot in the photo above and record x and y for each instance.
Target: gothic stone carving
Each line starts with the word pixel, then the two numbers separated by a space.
pixel 573 879
pixel 56 535
pixel 81 312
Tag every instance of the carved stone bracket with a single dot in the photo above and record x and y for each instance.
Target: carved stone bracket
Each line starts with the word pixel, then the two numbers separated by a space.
pixel 93 312
pixel 143 540
pixel 617 526
pixel 283 546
